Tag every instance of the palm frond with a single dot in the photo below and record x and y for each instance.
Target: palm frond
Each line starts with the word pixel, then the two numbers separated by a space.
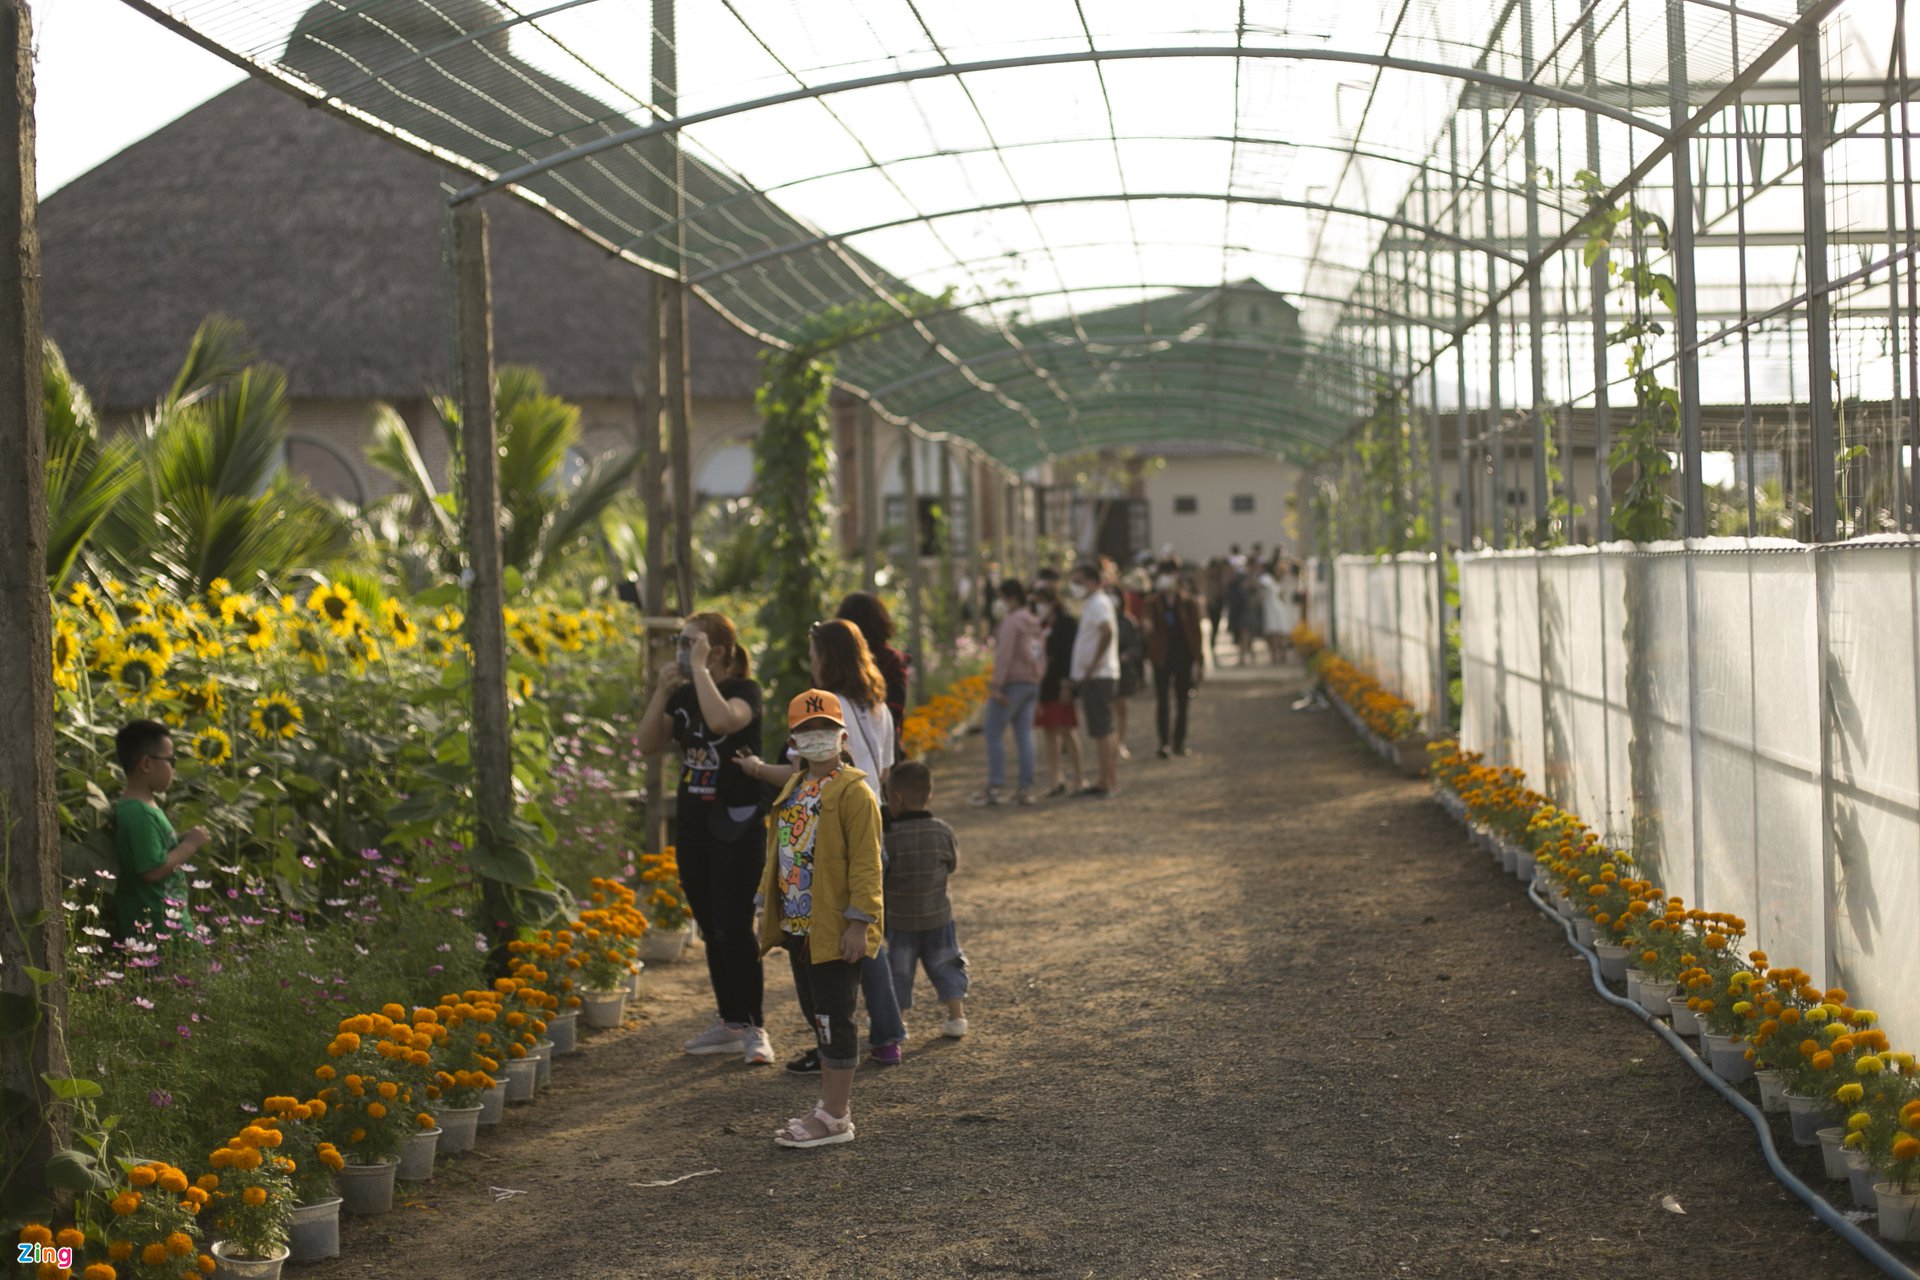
pixel 393 452
pixel 220 350
pixel 579 511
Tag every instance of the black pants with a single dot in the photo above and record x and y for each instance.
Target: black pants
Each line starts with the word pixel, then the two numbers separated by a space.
pixel 1172 682
pixel 827 993
pixel 720 878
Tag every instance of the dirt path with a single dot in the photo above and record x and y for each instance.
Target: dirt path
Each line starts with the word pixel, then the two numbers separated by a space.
pixel 1265 1014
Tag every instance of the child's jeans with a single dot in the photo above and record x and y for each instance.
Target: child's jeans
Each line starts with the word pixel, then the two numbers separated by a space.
pixel 884 1025
pixel 938 951
pixel 826 994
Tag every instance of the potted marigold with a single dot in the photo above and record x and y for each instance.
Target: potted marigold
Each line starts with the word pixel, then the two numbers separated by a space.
pixel 370 1109
pixel 462 1075
pixel 554 955
pixel 153 1229
pixel 313 1231
pixel 663 907
pixel 253 1197
pixel 1898 1157
pixel 1720 991
pixel 514 1034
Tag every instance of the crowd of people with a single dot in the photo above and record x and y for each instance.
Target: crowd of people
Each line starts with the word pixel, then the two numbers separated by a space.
pixel 1069 658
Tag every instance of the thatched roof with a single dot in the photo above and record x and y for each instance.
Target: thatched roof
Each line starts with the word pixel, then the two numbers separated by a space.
pixel 325 241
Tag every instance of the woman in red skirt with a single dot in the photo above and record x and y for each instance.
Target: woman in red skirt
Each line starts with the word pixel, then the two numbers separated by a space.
pixel 1055 713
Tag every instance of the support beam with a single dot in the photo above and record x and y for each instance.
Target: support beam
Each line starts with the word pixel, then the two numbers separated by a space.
pixel 948 526
pixel 1598 279
pixel 869 497
pixel 1536 292
pixel 673 330
pixel 1693 493
pixel 491 742
pixel 910 489
pixel 652 483
pixel 1813 170
pixel 29 831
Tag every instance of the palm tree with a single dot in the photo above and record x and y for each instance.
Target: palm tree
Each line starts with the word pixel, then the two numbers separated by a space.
pixel 544 515
pixel 199 489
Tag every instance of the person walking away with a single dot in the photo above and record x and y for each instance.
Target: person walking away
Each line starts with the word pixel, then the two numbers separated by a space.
pixel 1215 581
pixel 1275 606
pixel 1128 597
pixel 821 900
pixel 920 927
pixel 869 613
pixel 1173 647
pixel 843 667
pixel 1243 612
pixel 1013 693
pixel 1055 714
pixel 706 702
pixel 1094 674
pixel 150 889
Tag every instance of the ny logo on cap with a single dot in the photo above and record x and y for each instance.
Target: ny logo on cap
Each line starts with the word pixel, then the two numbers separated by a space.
pixel 814 703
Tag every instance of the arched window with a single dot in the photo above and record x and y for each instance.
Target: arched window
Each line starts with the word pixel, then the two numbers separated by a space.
pixel 330 472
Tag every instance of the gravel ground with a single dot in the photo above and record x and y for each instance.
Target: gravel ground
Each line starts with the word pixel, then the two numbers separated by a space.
pixel 1264 1014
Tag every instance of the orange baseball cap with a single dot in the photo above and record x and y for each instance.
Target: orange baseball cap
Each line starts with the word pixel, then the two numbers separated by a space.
pixel 815 704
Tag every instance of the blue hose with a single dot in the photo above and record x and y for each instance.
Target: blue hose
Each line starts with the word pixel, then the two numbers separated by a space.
pixel 1868 1247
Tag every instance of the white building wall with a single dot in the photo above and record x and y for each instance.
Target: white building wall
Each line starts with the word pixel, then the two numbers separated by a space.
pixel 1212 482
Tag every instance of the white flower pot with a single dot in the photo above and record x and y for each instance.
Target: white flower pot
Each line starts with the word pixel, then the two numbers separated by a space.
pixel 493 1102
pixel 1773 1094
pixel 633 979
pixel 1899 1212
pixel 458 1126
pixel 664 944
pixel 1810 1115
pixel 1729 1057
pixel 1583 931
pixel 1832 1153
pixel 1860 1179
pixel 314 1232
pixel 543 1054
pixel 416 1157
pixel 228 1266
pixel 1613 960
pixel 1684 1021
pixel 1633 984
pixel 603 1009
pixel 564 1030
pixel 1656 997
pixel 367 1188
pixel 521 1076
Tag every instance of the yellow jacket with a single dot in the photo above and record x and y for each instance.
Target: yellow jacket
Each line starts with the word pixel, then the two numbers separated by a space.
pixel 846 867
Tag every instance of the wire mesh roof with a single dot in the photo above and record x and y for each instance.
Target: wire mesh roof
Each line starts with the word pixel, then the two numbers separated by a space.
pixel 1067 224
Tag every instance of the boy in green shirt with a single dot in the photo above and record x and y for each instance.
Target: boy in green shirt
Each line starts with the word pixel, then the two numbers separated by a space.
pixel 149 853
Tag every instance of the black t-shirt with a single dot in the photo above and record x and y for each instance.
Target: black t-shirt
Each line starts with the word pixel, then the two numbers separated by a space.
pixel 1179 653
pixel 709 772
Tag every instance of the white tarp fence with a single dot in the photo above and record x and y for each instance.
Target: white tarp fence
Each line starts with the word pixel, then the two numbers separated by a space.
pixel 1383 620
pixel 1745 714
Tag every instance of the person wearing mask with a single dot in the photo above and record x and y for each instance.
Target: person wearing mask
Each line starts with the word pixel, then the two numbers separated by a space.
pixel 1056 716
pixel 1174 648
pixel 1095 673
pixel 869 613
pixel 1013 694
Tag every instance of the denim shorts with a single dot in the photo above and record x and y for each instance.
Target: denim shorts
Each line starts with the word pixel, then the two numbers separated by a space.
pixel 935 950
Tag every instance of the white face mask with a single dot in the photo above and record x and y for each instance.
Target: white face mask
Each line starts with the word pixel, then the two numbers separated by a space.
pixel 1043 610
pixel 999 609
pixel 1080 590
pixel 1165 582
pixel 818 744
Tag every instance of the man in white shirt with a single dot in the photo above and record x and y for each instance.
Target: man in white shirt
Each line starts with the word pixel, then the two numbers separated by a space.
pixel 1095 671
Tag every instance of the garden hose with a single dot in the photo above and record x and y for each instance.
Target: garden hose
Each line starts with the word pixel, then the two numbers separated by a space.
pixel 1868 1247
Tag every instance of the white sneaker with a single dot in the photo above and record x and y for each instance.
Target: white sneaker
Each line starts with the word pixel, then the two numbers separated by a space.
pixel 759 1049
pixel 953 1028
pixel 718 1038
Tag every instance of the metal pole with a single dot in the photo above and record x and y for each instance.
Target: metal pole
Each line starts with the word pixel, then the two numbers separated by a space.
pixel 1498 508
pixel 1468 472
pixel 491 737
pixel 1536 297
pixel 869 500
pixel 1597 279
pixel 29 830
pixel 675 389
pixel 1813 172
pixel 1686 322
pixel 910 487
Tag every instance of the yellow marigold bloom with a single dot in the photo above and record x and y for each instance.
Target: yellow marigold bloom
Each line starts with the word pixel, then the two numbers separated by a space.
pixel 377 1110
pixel 1822 1061
pixel 125 1203
pixel 173 1180
pixel 255 1196
pixel 1849 1093
pixel 154 1255
pixel 101 1271
pixel 179 1244
pixel 70 1238
pixel 1906 1147
pixel 1868 1065
pixel 142 1176
pixel 36 1233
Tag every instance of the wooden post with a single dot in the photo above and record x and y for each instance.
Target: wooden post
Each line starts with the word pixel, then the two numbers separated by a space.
pixel 674 387
pixel 910 488
pixel 29 834
pixel 653 592
pixel 949 613
pixel 869 498
pixel 491 741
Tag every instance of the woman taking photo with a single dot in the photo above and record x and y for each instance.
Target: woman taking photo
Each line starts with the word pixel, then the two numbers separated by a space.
pixel 706 703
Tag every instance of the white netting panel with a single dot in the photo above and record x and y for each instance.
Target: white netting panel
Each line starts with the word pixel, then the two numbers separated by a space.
pixel 1383 621
pixel 1746 717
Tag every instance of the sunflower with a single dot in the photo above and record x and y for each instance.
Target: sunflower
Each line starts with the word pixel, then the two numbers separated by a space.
pixel 532 642
pixel 449 620
pixel 400 627
pixel 275 716
pixel 204 699
pixel 306 642
pixel 66 654
pixel 138 671
pixel 335 606
pixel 149 637
pixel 213 746
pixel 256 626
pixel 363 649
pixel 521 686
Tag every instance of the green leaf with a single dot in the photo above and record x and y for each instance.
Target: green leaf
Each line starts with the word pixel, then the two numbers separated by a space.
pixel 439 597
pixel 71 1170
pixel 41 977
pixel 71 1088
pixel 508 865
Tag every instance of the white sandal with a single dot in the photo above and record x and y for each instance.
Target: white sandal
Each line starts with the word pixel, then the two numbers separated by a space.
pixel 836 1129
